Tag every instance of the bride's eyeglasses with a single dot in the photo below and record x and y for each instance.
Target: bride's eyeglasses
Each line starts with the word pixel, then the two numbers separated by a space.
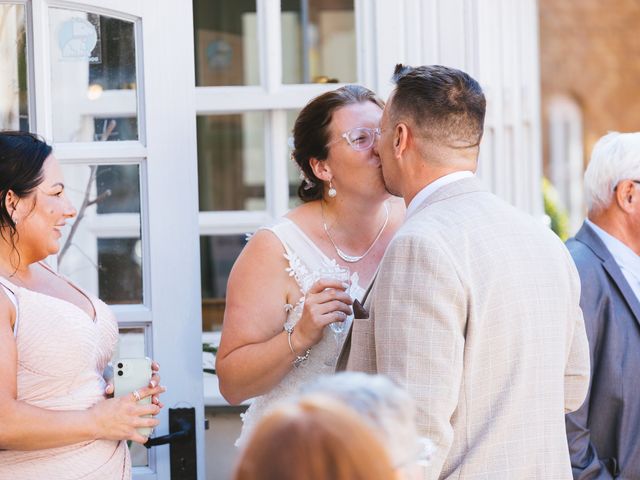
pixel 360 138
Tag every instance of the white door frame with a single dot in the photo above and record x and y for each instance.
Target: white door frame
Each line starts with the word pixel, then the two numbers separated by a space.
pixel 166 153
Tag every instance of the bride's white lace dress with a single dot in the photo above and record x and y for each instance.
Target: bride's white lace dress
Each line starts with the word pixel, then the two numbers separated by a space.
pixel 305 260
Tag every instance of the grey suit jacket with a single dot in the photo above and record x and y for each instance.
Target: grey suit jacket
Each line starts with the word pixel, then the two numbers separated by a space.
pixel 604 434
pixel 475 311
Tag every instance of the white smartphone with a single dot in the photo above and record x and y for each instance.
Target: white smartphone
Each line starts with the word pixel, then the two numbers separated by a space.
pixel 130 374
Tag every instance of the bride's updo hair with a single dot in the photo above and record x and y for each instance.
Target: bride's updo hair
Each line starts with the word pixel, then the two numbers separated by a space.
pixel 311 132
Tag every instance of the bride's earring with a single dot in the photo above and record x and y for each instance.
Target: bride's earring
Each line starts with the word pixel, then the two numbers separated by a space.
pixel 332 191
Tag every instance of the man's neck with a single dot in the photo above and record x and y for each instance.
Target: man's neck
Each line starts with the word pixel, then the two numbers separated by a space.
pixel 616 225
pixel 417 183
pixel 425 165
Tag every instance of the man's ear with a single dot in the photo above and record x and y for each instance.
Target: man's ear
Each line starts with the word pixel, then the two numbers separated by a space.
pixel 321 169
pixel 400 139
pixel 626 195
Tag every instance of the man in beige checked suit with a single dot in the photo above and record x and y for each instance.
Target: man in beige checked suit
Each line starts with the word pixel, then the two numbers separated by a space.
pixel 475 310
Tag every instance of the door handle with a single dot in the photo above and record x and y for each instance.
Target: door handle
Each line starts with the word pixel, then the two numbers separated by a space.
pixel 183 433
pixel 182 443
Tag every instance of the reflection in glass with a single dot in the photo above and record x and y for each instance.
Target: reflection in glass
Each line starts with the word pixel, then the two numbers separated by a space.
pixel 318 41
pixel 217 255
pixel 131 344
pixel 93 77
pixel 119 188
pixel 231 162
pixel 226 42
pixel 120 278
pixel 14 103
pixel 101 250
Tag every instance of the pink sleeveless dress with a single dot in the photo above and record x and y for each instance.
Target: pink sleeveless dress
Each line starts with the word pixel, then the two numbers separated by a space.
pixel 62 353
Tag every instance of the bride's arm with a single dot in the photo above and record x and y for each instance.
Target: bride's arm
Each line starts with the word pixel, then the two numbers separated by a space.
pixel 254 353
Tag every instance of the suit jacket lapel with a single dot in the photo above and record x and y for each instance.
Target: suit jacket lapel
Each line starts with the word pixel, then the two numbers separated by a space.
pixel 341 363
pixel 590 238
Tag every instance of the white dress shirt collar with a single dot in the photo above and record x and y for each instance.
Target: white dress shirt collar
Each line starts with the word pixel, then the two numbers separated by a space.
pixel 626 258
pixel 427 191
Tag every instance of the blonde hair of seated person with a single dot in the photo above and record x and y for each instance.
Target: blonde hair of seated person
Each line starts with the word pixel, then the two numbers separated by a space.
pixel 316 438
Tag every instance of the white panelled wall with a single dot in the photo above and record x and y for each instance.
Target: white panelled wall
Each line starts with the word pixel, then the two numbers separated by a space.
pixel 495 41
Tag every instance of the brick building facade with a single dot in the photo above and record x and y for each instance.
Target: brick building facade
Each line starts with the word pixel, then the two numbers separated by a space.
pixel 590 52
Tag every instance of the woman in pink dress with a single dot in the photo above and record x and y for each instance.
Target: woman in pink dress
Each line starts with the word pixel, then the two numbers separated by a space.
pixel 55 339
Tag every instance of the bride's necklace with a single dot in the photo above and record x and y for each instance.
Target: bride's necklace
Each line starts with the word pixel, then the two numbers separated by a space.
pixel 354 258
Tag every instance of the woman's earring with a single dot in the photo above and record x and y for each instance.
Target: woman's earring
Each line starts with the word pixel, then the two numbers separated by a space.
pixel 332 191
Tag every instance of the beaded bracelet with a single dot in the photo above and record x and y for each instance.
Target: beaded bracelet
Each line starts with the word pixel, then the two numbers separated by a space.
pixel 300 359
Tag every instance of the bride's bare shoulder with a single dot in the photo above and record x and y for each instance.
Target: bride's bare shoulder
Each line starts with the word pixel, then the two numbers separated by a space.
pixel 306 215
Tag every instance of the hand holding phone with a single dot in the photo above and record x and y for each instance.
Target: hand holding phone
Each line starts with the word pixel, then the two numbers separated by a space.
pixel 131 374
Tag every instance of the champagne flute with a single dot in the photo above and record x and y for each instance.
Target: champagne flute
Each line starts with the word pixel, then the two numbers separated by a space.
pixel 341 274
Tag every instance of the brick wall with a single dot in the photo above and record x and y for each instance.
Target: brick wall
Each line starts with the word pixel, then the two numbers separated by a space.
pixel 590 51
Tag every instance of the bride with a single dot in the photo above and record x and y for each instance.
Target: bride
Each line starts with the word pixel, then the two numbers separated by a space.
pixel 282 295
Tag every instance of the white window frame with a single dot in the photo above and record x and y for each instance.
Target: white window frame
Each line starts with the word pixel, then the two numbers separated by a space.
pixel 274 98
pixel 170 312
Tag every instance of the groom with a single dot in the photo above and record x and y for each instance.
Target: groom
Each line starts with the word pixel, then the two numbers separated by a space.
pixel 475 310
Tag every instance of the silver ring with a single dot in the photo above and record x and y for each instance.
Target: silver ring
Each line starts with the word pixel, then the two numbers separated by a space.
pixel 136 395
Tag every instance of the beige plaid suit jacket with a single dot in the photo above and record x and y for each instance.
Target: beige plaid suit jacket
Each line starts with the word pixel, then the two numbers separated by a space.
pixel 475 311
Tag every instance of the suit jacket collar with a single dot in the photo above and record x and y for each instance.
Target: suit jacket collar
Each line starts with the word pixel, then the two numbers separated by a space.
pixel 459 187
pixel 589 237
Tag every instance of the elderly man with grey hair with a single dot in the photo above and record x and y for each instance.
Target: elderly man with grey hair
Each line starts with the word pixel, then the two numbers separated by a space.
pixel 603 434
pixel 388 409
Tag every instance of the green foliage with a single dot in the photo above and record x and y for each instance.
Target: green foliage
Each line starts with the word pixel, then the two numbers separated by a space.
pixel 558 218
pixel 209 348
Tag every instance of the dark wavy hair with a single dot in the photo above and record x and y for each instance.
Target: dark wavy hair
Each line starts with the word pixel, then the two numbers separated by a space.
pixel 22 156
pixel 311 132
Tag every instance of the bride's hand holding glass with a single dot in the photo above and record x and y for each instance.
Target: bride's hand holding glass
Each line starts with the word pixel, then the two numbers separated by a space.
pixel 326 302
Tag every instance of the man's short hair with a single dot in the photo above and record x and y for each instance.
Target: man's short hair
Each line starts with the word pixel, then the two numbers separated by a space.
pixel 615 157
pixel 446 105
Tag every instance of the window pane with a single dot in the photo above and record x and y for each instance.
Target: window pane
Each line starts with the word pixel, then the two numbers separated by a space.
pixel 14 103
pixel 226 42
pixel 217 255
pixel 120 261
pixel 318 41
pixel 93 77
pixel 293 171
pixel 102 251
pixel 231 162
pixel 131 343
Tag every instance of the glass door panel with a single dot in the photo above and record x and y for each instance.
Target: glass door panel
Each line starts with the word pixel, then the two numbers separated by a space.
pixel 93 75
pixel 226 42
pixel 231 162
pixel 217 256
pixel 318 41
pixel 102 248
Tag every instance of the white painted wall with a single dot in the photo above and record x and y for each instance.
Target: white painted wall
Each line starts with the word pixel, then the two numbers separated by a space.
pixel 495 41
